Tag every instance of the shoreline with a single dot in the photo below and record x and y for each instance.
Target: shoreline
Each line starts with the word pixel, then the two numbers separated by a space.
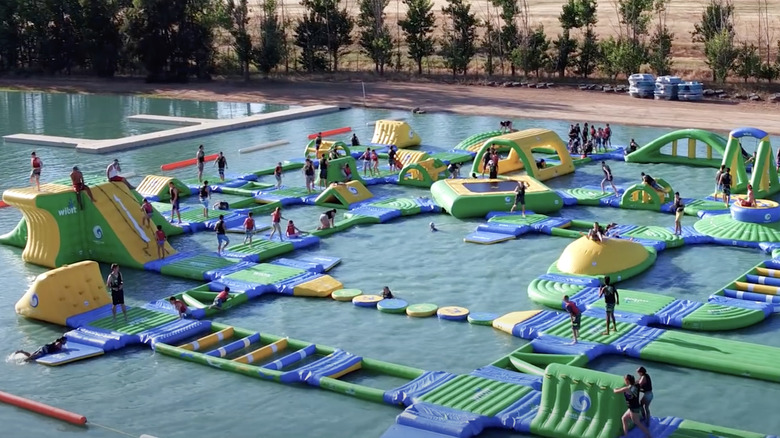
pixel 555 103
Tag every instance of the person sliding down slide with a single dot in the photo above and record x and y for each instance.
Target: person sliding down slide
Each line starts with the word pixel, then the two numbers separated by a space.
pixel 650 181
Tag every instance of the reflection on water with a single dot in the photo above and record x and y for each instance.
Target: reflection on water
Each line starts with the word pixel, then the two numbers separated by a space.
pixel 137 391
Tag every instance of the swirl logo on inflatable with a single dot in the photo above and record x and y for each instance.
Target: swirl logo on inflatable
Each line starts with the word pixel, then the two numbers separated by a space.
pixel 580 401
pixel 97 232
pixel 34 300
pixel 353 190
pixel 768 217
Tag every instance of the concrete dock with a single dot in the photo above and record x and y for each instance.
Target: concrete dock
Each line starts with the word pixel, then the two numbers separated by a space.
pixel 187 127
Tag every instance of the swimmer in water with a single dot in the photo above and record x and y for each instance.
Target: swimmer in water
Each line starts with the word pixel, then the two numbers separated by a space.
pixel 433 226
pixel 54 347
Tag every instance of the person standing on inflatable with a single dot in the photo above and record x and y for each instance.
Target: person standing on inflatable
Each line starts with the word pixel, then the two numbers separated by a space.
pixel 631 393
pixel 725 182
pixel 221 164
pixel 679 210
pixel 200 158
pixel 35 174
pixel 116 285
pixel 575 315
pixel 173 192
pixel 611 299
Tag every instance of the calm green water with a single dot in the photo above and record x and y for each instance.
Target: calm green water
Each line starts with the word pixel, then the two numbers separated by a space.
pixel 137 392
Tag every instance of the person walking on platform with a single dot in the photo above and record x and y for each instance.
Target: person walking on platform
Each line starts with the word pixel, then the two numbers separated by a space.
pixel 116 285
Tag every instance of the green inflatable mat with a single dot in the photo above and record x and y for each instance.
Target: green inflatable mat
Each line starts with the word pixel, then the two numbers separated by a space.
pixel 654 232
pixel 286 165
pixel 578 402
pixel 476 394
pixel 550 293
pixel 588 196
pixel 642 303
pixel 407 206
pixel 517 219
pixel 265 249
pixel 476 138
pixel 349 221
pixel 346 294
pixel 139 320
pixel 723 226
pixel 287 192
pixel 591 329
pixel 453 157
pixel 422 310
pixel 196 266
pixel 714 317
pixel 714 354
pixel 694 207
pixel 265 273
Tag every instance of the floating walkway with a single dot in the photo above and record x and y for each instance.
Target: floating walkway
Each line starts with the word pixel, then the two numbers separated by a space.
pixel 187 128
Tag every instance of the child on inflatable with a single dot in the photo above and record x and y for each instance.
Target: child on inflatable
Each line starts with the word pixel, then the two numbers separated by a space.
pixel 180 307
pixel 220 299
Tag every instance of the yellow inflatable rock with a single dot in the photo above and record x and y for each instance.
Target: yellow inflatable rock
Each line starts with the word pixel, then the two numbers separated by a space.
pixel 61 293
pixel 586 257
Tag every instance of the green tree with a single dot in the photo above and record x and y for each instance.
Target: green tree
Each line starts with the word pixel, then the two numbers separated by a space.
pixel 103 44
pixel 564 48
pixel 418 25
pixel 660 47
pixel 491 47
pixel 239 29
pixel 10 35
pixel 635 16
pixel 323 27
pixel 532 56
pixel 769 71
pixel 310 36
pixel 717 20
pixel 588 56
pixel 375 38
pixel 460 35
pixel 268 53
pixel 620 55
pixel 510 34
pixel 721 54
pixel 748 62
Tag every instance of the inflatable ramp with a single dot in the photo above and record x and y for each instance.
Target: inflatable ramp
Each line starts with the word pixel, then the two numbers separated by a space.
pixel 394 132
pixel 108 230
pixel 343 195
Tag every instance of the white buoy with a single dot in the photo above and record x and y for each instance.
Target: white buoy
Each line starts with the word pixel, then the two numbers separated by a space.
pixel 263 146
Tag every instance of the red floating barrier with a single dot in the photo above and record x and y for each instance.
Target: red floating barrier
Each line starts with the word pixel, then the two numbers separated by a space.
pixel 185 163
pixel 43 409
pixel 331 132
pixel 3 204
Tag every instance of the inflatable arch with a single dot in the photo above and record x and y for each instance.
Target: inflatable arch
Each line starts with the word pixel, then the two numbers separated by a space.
pixel 336 170
pixel 474 142
pixel 311 151
pixel 423 173
pixel 651 152
pixel 643 197
pixel 520 146
pixel 764 176
pixel 394 132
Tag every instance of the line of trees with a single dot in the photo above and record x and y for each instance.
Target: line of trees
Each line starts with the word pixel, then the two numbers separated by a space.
pixel 174 40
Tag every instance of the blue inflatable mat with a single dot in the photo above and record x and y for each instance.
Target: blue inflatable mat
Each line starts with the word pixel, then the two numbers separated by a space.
pixel 673 314
pixel 495 373
pixel 774 300
pixel 380 213
pixel 299 264
pixel 303 241
pixel 71 352
pixel 737 243
pixel 568 200
pixel 519 415
pixel 231 219
pixel 704 213
pixel 631 318
pixel 540 322
pixel 569 279
pixel 227 270
pixel 174 331
pixel 441 419
pixel 327 262
pixel 487 238
pixel 610 201
pixel 427 205
pixel 334 363
pixel 252 290
pixel 549 344
pixel 636 339
pixel 772 264
pixel 401 431
pixel 768 247
pixel 742 304
pixel 504 228
pixel 760 279
pixel 622 229
pixel 410 392
pixel 584 298
pixel 659 427
pixel 657 245
pixel 690 236
pixel 287 286
pixel 546 225
pixel 103 339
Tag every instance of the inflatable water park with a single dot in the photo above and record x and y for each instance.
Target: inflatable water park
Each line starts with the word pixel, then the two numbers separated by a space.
pixel 543 388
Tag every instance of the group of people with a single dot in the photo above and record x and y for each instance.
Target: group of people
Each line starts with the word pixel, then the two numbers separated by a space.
pixel 638 411
pixel 586 139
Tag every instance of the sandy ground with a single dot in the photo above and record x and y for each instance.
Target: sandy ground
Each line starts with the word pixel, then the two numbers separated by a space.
pixel 561 104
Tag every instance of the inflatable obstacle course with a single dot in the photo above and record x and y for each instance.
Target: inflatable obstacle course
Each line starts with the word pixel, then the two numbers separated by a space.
pixel 326 147
pixel 684 149
pixel 423 173
pixel 157 188
pixel 464 198
pixel 108 230
pixel 519 147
